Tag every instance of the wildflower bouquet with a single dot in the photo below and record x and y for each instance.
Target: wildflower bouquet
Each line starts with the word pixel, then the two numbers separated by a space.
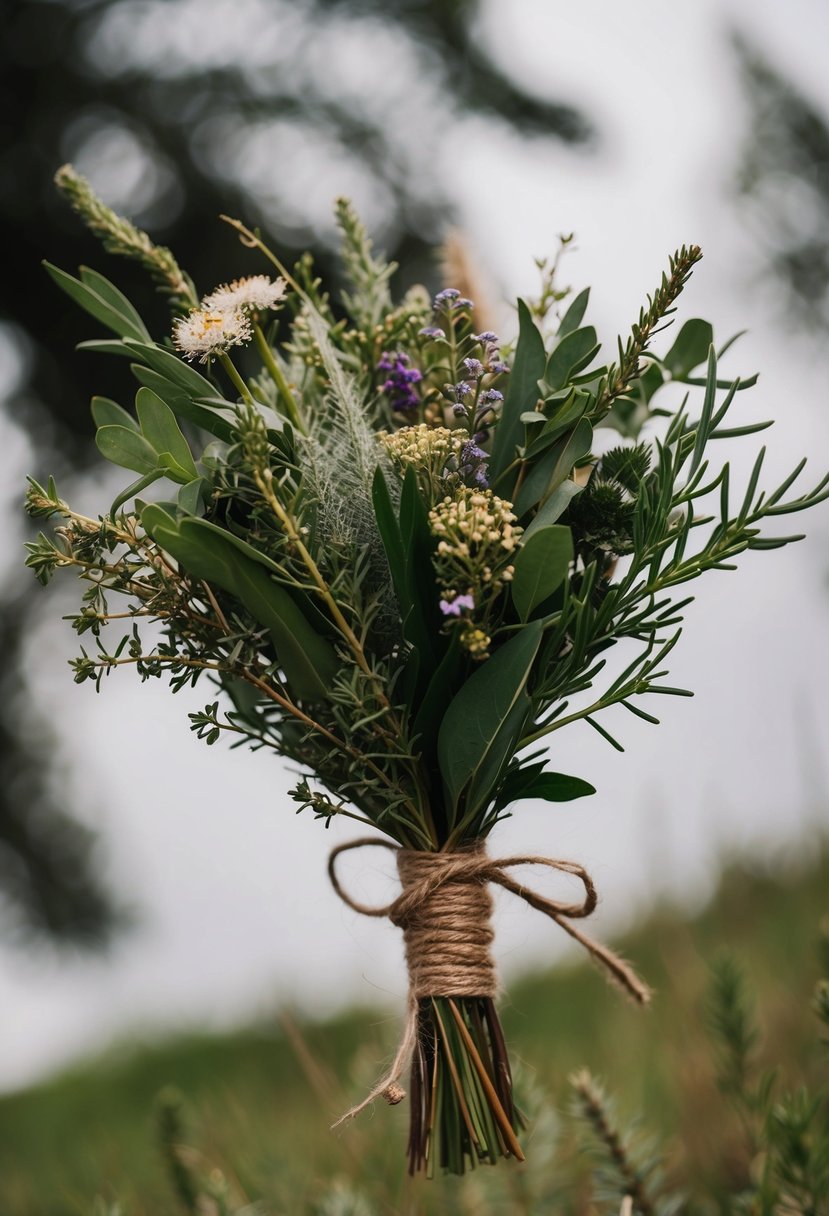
pixel 402 554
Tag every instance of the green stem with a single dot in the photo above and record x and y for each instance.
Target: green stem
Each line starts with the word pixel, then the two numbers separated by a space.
pixel 227 364
pixel 278 376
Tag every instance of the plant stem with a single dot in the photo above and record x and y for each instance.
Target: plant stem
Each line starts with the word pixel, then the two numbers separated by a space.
pixel 278 377
pixel 228 365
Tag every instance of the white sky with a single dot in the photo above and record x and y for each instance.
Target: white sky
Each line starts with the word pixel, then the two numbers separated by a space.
pixel 235 913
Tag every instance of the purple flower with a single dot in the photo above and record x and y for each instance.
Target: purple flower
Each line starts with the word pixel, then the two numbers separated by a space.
pixel 472 464
pixel 449 300
pixel 401 378
pixel 498 369
pixel 456 606
pixel 491 394
pixel 459 409
pixel 487 336
pixel 431 331
pixel 459 390
pixel 474 367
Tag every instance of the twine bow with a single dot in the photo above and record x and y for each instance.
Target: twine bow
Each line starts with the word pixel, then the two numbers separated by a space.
pixel 448 938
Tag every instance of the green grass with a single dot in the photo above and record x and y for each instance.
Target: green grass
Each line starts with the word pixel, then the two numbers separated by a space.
pixel 263 1098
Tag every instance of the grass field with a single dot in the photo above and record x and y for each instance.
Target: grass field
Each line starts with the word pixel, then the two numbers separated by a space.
pixel 261 1100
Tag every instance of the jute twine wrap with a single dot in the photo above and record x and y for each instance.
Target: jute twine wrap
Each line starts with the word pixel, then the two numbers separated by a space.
pixel 445 912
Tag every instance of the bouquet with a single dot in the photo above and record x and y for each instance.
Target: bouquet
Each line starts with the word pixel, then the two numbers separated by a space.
pixel 402 554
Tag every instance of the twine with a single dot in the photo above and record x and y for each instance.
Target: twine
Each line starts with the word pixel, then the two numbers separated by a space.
pixel 445 912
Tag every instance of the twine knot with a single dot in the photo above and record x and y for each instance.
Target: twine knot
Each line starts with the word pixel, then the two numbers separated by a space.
pixel 445 912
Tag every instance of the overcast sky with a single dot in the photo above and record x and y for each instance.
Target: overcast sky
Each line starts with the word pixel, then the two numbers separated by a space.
pixel 234 912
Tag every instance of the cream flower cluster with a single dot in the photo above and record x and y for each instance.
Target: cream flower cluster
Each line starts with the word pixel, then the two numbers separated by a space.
pixel 477 535
pixel 224 317
pixel 428 450
pixel 424 446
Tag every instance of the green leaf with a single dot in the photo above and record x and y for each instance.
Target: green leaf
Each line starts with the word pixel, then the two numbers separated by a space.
pixel 533 782
pixel 690 348
pixel 159 428
pixel 389 530
pixel 565 417
pixel 134 488
pixel 125 447
pixel 207 552
pixel 191 496
pixel 172 368
pixel 553 508
pixel 421 623
pixel 116 299
pixel 554 467
pixel 541 565
pixel 173 469
pixel 572 319
pixel 472 737
pixel 106 346
pixel 572 354
pixel 183 406
pixel 522 394
pixel 439 692
pixel 98 307
pixel 106 412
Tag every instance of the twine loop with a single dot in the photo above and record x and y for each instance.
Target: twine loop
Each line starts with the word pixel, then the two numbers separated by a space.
pixel 445 910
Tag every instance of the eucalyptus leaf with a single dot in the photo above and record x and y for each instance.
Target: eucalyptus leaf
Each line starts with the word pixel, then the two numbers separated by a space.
pixel 106 412
pixel 159 428
pixel 191 495
pixel 215 421
pixel 98 307
pixel 572 354
pixel 171 367
pixel 553 508
pixel 522 394
pixel 554 467
pixel 173 469
pixel 574 315
pixel 533 782
pixel 562 420
pixel 690 348
pixel 389 529
pixel 134 488
pixel 207 552
pixel 541 565
pixel 498 755
pixel 116 299
pixel 125 447
pixel 107 346
pixel 471 730
pixel 421 621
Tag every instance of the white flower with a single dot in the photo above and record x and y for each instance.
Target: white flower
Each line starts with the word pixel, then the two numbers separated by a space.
pixel 255 293
pixel 207 332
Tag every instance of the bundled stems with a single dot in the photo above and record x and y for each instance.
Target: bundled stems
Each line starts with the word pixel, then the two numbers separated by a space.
pixel 462 1110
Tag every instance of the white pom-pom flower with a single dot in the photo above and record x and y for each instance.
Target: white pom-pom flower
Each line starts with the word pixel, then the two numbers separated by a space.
pixel 257 293
pixel 208 332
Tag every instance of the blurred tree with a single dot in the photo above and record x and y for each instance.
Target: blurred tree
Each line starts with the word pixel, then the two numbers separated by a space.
pixel 784 180
pixel 179 110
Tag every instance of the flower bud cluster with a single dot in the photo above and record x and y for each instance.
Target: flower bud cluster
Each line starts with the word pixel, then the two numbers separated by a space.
pixel 425 447
pixel 477 536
